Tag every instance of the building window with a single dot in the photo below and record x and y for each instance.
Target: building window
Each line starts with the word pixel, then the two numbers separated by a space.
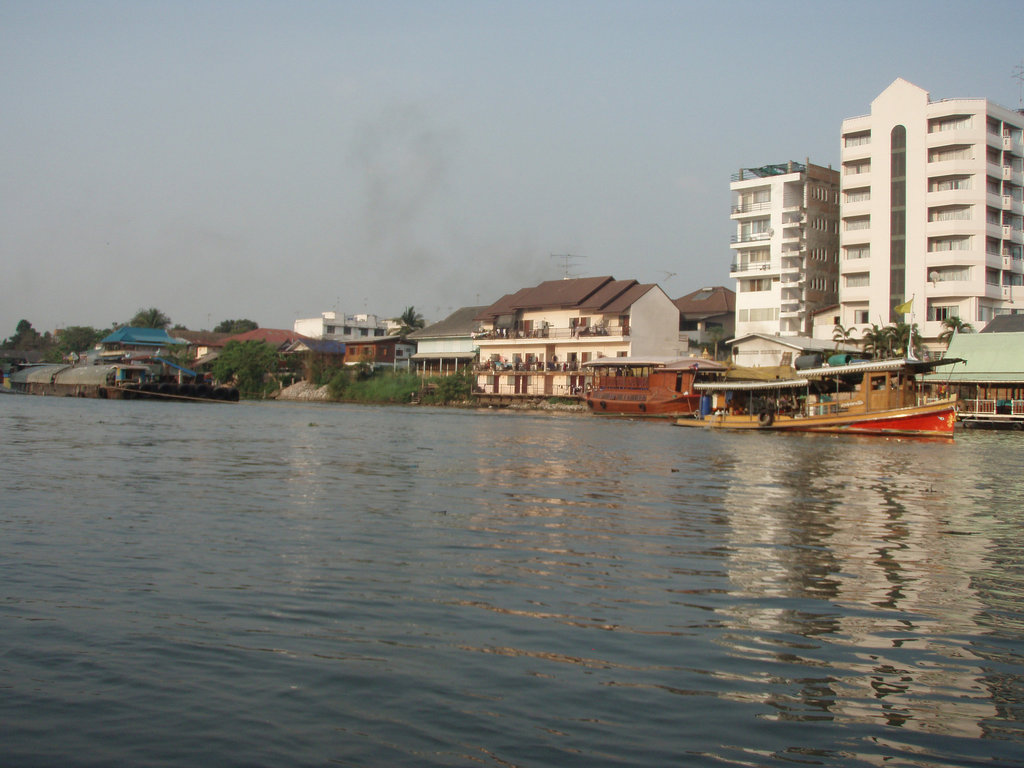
pixel 958 243
pixel 757 284
pixel 858 195
pixel 860 316
pixel 950 123
pixel 857 139
pixel 854 252
pixel 949 183
pixel 950 213
pixel 856 168
pixel 857 280
pixel 857 222
pixel 945 154
pixel 949 274
pixel 943 312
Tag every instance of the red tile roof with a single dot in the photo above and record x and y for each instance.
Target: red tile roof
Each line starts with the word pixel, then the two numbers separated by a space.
pixel 275 337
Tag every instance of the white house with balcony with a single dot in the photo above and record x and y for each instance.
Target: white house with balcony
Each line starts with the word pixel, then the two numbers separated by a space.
pixel 534 341
pixel 786 246
pixel 931 211
pixel 348 328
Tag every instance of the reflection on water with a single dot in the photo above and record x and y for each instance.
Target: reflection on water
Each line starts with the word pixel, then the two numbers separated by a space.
pixel 304 584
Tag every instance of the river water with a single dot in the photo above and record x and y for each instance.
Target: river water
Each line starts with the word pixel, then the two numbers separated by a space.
pixel 307 584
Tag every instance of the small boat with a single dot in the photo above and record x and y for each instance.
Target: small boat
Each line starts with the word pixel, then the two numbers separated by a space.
pixel 879 397
pixel 660 387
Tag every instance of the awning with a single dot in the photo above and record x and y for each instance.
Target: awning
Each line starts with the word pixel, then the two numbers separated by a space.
pixel 175 365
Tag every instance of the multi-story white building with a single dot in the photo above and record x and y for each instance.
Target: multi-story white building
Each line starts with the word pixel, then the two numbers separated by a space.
pixel 347 328
pixel 786 246
pixel 931 211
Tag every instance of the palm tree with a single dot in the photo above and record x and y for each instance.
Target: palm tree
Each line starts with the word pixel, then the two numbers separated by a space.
pixel 952 326
pixel 841 335
pixel 901 334
pixel 875 340
pixel 409 321
pixel 150 318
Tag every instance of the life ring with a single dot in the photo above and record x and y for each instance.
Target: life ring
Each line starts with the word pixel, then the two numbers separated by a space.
pixel 766 419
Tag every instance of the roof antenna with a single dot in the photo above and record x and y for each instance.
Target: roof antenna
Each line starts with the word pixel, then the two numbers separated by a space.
pixel 1018 73
pixel 567 260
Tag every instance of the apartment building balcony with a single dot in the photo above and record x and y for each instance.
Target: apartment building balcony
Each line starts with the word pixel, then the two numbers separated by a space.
pixel 503 337
pixel 1012 264
pixel 951 227
pixel 950 289
pixel 950 197
pixel 1012 205
pixel 851 179
pixel 747 209
pixel 755 268
pixel 791 309
pixel 1007 173
pixel 857 152
pixel 954 136
pixel 751 239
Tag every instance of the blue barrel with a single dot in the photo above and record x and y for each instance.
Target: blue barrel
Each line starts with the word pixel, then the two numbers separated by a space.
pixel 705 405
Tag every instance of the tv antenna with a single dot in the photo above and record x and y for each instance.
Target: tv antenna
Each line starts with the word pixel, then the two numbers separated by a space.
pixel 1018 74
pixel 567 259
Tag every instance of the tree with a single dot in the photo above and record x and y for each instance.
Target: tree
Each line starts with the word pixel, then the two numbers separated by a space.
pixel 409 321
pixel 953 325
pixel 247 363
pixel 903 338
pixel 25 337
pixel 875 340
pixel 841 335
pixel 235 326
pixel 150 318
pixel 76 339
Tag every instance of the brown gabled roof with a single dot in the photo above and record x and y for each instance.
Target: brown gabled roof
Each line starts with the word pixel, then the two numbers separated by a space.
pixel 461 322
pixel 275 337
pixel 705 302
pixel 589 294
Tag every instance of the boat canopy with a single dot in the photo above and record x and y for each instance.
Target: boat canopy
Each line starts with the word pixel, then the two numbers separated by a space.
pixel 37 374
pixel 747 386
pixel 870 366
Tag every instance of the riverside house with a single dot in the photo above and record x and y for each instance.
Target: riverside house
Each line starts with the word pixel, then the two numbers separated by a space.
pixel 533 342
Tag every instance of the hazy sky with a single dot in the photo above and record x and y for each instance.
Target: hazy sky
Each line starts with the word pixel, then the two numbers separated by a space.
pixel 273 160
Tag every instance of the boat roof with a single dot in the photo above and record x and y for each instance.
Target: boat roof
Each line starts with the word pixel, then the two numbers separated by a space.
pixel 655 361
pixel 866 366
pixel 744 386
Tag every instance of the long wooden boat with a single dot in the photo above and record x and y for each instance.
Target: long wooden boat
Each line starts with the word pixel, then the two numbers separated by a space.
pixel 870 397
pixel 658 387
pixel 122 381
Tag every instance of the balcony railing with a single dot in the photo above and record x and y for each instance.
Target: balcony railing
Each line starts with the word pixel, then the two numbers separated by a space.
pixel 597 331
pixel 751 238
pixel 755 266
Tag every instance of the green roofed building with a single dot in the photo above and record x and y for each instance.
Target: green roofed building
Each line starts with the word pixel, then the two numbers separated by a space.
pixel 990 379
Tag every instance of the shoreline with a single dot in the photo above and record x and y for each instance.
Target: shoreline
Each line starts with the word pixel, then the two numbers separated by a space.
pixel 303 391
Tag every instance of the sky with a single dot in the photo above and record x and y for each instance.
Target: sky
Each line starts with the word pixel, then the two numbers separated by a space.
pixel 274 160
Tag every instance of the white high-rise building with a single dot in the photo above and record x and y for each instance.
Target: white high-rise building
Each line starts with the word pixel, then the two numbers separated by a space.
pixel 786 246
pixel 931 211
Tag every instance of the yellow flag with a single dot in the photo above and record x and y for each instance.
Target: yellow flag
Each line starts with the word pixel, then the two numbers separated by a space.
pixel 903 308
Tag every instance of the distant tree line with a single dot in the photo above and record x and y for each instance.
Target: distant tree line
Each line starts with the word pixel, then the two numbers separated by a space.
pixel 76 339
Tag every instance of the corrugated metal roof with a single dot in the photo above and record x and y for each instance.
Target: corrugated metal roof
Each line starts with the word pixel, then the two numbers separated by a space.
pixel 987 357
pixel 744 386
pixel 37 374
